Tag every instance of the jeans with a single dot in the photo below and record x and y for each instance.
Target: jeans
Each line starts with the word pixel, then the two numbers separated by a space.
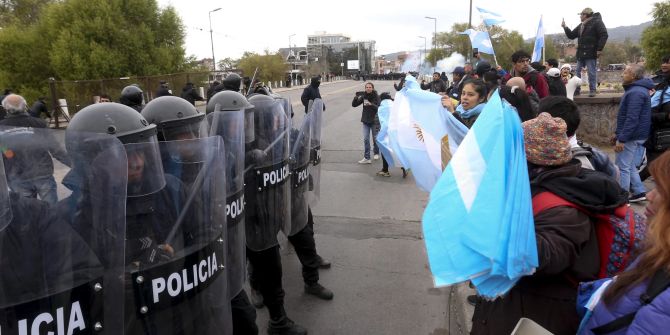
pixel 367 129
pixel 625 160
pixel 45 187
pixel 591 70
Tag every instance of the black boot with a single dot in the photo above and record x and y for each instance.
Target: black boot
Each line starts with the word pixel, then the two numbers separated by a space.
pixel 323 263
pixel 285 326
pixel 319 291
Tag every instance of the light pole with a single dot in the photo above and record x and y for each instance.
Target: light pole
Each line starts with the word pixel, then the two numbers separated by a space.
pixel 290 49
pixel 424 49
pixel 211 34
pixel 434 39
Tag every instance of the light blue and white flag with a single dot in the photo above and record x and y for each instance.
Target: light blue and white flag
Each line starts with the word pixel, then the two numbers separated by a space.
pixel 417 124
pixel 539 43
pixel 490 18
pixel 480 40
pixel 478 224
pixel 383 138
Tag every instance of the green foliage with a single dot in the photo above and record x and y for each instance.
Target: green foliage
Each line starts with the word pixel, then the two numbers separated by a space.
pixel 21 12
pixel 505 43
pixel 90 39
pixel 656 38
pixel 452 41
pixel 613 53
pixel 271 67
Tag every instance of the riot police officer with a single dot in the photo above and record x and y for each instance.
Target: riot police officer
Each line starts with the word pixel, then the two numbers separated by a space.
pixel 132 96
pixel 178 120
pixel 167 232
pixel 266 195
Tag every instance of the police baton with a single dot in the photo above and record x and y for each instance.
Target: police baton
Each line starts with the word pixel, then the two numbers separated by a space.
pixel 265 151
pixel 251 84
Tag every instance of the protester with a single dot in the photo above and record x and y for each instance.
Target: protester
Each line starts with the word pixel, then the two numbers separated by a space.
pixel 400 84
pixel 556 86
pixel 163 89
pixel 566 73
pixel 532 95
pixel 551 63
pixel 458 80
pixel 370 101
pixel 660 115
pixel 566 247
pixel 633 125
pixel 627 300
pixel 190 94
pixel 436 86
pixel 384 172
pixel 311 92
pixel 104 98
pixel 39 107
pixel 31 168
pixel 533 79
pixel 592 36
pixel 473 100
pixel 518 98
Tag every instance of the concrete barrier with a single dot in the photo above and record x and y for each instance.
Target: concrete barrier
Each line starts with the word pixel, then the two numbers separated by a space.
pixel 598 117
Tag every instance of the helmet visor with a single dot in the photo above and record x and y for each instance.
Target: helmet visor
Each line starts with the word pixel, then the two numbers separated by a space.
pixel 145 169
pixel 184 131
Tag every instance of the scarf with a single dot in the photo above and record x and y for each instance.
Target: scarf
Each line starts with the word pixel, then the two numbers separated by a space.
pixel 581 28
pixel 475 111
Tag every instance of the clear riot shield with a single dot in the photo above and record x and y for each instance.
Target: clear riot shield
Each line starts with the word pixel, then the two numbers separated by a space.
pixel 300 145
pixel 62 263
pixel 316 112
pixel 176 236
pixel 230 126
pixel 267 179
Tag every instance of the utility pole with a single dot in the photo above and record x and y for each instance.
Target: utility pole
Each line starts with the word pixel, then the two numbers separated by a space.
pixel 211 34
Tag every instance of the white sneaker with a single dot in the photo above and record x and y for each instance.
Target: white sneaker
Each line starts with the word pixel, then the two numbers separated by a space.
pixel 365 161
pixel 375 157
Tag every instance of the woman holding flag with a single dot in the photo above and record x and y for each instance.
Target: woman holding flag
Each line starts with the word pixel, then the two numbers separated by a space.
pixel 473 100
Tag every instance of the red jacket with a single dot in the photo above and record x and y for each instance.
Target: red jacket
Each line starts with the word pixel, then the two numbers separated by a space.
pixel 534 80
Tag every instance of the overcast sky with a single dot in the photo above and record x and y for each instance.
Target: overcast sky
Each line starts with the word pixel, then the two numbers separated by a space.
pixel 395 27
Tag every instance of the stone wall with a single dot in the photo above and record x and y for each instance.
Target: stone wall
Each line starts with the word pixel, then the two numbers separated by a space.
pixel 598 117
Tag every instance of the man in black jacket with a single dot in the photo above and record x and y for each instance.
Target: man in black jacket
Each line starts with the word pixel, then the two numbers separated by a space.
pixel 190 94
pixel 31 169
pixel 311 92
pixel 39 108
pixel 592 35
pixel 436 86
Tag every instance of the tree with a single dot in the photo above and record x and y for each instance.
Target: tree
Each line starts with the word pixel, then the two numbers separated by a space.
pixel 452 41
pixel 271 67
pixel 91 39
pixel 21 12
pixel 227 63
pixel 613 53
pixel 656 38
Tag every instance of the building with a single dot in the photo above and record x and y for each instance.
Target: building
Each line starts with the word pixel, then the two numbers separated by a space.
pixel 321 45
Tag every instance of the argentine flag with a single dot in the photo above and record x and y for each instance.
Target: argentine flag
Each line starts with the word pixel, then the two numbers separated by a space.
pixel 480 40
pixel 539 43
pixel 490 18
pixel 417 124
pixel 478 224
pixel 383 139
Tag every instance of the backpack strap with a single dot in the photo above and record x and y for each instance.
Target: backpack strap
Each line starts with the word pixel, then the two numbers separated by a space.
pixel 658 283
pixel 546 200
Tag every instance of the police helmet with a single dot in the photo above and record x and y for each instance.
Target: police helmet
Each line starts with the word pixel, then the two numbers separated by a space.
pixel 232 82
pixel 173 116
pixel 131 96
pixel 227 101
pixel 145 170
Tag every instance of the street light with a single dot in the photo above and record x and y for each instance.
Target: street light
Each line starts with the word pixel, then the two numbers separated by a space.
pixel 424 49
pixel 290 49
pixel 434 37
pixel 211 36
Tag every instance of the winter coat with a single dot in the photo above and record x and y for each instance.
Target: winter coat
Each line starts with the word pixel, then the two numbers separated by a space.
pixel 435 86
pixel 189 94
pixel 634 118
pixel 162 91
pixel 310 92
pixel 370 111
pixel 534 82
pixel 592 38
pixel 567 253
pixel 38 108
pixel 653 318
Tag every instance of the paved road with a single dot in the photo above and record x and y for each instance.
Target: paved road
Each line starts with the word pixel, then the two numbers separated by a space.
pixel 369 227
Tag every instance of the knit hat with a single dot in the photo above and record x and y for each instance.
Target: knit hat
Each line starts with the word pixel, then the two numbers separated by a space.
pixel 566 65
pixel 545 140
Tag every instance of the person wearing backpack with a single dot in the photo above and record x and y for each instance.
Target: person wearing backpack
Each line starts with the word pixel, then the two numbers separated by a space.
pixel 638 300
pixel 566 236
pixel 591 158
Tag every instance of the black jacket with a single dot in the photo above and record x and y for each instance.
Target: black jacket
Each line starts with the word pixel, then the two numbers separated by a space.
pixel 310 92
pixel 567 252
pixel 38 108
pixel 36 160
pixel 435 86
pixel 162 91
pixel 370 111
pixel 190 94
pixel 591 39
pixel 556 86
